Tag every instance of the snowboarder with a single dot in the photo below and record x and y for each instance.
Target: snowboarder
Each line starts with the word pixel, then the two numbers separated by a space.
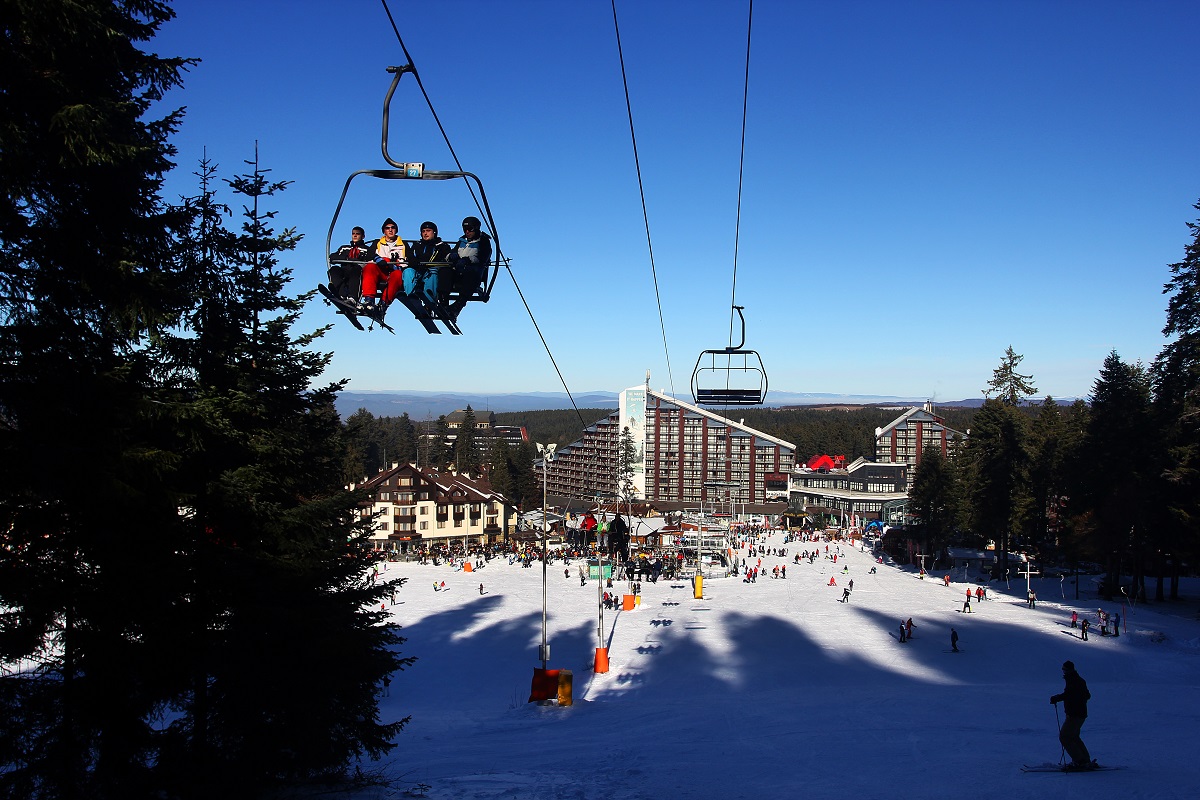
pixel 908 626
pixel 902 639
pixel 1074 698
pixel 851 584
pixel 953 640
pixel 481 588
pixel 967 604
pixel 1083 628
pixel 845 595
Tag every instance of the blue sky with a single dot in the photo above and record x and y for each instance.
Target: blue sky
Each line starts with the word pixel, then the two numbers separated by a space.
pixel 926 183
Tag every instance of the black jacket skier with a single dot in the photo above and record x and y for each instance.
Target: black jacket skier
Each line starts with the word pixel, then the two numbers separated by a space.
pixel 1074 698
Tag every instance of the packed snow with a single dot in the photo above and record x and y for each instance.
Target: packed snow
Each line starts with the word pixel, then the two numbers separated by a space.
pixel 777 689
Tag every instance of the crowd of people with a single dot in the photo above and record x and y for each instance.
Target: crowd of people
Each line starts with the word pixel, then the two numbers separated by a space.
pixel 428 271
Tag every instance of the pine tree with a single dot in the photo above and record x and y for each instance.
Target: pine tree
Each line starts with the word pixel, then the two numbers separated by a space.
pixel 1176 375
pixel 997 462
pixel 86 275
pixel 933 498
pixel 284 650
pixel 466 454
pixel 1046 478
pixel 1120 459
pixel 1010 386
pixel 500 473
pixel 440 452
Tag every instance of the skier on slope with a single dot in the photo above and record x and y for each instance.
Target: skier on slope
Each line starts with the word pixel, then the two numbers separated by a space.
pixel 1074 698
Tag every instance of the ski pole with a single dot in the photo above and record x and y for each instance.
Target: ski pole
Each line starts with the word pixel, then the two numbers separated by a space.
pixel 1062 749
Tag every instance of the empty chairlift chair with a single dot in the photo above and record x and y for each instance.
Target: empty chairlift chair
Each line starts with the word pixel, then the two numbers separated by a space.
pixel 730 376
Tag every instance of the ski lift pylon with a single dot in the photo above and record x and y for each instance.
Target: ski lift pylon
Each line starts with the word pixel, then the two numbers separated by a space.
pixel 730 376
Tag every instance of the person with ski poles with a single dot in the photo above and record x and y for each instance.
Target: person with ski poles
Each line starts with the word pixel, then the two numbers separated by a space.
pixel 1074 698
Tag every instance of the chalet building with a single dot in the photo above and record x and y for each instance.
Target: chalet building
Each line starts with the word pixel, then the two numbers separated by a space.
pixel 681 456
pixel 422 507
pixel 866 490
pixel 903 439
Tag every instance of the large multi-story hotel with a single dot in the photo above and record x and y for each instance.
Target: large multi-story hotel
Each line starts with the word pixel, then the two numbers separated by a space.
pixel 903 439
pixel 683 456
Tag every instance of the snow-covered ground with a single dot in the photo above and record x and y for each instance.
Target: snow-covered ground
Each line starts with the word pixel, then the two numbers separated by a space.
pixel 776 689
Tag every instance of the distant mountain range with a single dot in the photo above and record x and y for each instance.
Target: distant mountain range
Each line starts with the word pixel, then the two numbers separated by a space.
pixel 422 405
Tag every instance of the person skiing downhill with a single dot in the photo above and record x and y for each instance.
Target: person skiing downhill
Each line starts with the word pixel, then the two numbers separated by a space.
pixel 1074 698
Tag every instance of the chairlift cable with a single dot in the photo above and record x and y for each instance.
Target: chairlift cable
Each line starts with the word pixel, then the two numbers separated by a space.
pixel 737 227
pixel 743 394
pixel 507 267
pixel 642 192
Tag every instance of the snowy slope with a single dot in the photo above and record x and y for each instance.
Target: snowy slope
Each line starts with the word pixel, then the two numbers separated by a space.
pixel 775 689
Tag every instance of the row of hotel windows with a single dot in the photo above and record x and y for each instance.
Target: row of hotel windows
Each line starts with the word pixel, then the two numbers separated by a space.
pixel 424 525
pixel 857 486
pixel 459 508
pixel 840 503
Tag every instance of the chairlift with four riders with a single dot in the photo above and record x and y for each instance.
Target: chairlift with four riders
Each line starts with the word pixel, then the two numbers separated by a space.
pixel 426 312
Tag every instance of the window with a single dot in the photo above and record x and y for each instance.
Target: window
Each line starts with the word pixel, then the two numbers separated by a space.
pixel 424 525
pixel 441 523
pixel 424 511
pixel 457 523
pixel 385 496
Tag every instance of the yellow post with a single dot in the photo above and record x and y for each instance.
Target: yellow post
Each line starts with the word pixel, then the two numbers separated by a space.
pixel 699 595
pixel 565 680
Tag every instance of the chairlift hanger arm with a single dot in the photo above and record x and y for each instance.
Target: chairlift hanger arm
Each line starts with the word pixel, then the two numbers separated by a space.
pixel 398 73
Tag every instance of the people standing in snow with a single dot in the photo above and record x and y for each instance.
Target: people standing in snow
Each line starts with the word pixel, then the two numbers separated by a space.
pixel 953 640
pixel 845 595
pixel 903 639
pixel 1074 698
pixel 1083 629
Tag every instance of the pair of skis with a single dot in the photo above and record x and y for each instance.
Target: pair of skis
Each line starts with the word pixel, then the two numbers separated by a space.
pixel 1068 768
pixel 351 311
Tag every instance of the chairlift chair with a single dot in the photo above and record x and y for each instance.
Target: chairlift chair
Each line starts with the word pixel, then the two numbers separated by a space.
pixel 415 171
pixel 730 376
